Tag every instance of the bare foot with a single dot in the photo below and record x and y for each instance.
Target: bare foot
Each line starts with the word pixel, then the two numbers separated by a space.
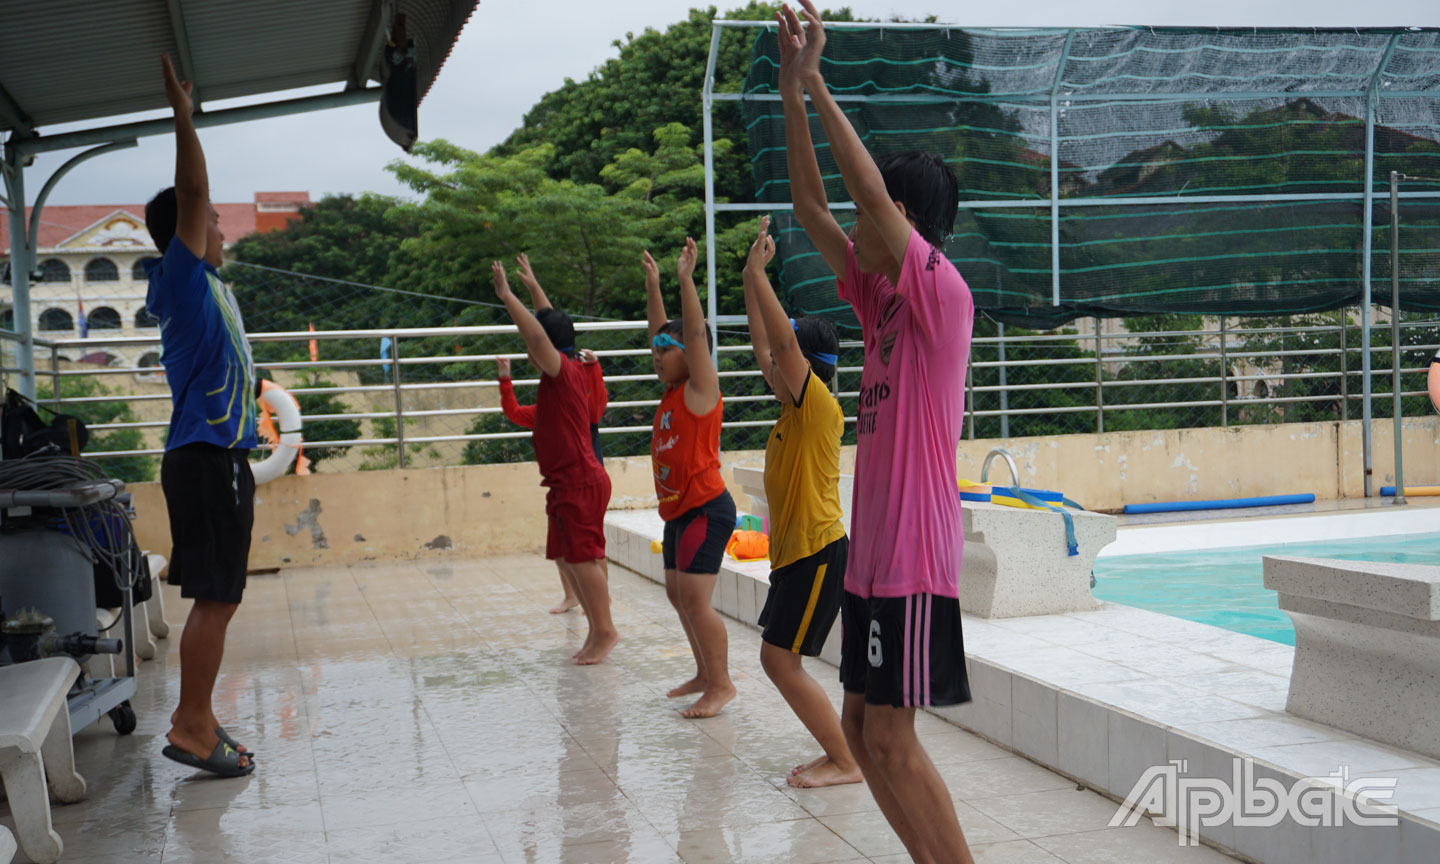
pixel 565 606
pixel 710 704
pixel 598 650
pixel 801 769
pixel 825 774
pixel 694 685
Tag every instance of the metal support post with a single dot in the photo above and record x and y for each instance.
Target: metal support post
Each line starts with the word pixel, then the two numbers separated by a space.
pixel 1395 389
pixel 399 400
pixel 1224 377
pixel 1099 380
pixel 22 261
pixel 970 397
pixel 1055 170
pixel 708 87
pixel 1367 249
pixel 1004 396
pixel 1344 370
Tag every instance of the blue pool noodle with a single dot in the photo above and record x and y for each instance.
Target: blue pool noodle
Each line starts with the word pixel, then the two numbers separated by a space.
pixel 1220 504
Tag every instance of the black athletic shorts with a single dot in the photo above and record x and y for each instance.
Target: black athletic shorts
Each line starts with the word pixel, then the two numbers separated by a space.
pixel 903 651
pixel 695 540
pixel 804 599
pixel 210 495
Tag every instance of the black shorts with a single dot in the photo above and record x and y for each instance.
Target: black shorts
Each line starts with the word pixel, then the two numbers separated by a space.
pixel 695 540
pixel 903 651
pixel 210 495
pixel 804 599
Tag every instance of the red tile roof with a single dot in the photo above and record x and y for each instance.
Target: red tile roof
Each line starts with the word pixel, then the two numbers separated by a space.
pixel 282 198
pixel 60 222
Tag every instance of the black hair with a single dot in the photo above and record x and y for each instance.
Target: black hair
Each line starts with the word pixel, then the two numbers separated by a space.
pixel 818 336
pixel 676 328
pixel 558 327
pixel 161 214
pixel 927 187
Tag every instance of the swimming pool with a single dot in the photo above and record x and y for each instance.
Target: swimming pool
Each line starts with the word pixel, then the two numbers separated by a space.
pixel 1224 587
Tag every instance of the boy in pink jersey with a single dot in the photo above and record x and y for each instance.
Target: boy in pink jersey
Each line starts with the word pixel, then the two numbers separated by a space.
pixel 901 645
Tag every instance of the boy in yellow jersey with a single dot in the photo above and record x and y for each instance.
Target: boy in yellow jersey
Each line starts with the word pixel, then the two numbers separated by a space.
pixel 808 547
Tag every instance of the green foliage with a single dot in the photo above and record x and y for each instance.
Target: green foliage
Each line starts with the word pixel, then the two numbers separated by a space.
pixel 131 469
pixel 383 457
pixel 317 404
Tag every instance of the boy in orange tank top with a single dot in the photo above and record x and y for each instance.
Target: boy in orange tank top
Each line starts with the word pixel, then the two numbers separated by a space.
pixel 699 513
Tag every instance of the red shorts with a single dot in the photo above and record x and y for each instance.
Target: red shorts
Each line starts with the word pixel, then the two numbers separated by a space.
pixel 577 521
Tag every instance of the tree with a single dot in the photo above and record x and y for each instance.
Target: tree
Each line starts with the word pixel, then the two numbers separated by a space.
pixel 131 469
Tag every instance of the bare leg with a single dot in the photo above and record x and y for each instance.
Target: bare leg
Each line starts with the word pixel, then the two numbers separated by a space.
pixel 202 647
pixel 852 720
pixel 809 702
pixel 572 598
pixel 713 641
pixel 589 579
pixel 567 573
pixel 915 784
pixel 672 593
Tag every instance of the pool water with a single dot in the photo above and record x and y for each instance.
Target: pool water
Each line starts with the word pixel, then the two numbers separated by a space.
pixel 1225 587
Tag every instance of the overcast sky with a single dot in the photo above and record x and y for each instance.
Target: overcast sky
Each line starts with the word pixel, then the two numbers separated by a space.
pixel 513 51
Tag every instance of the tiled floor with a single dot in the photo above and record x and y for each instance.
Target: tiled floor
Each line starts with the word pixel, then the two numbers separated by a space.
pixel 427 712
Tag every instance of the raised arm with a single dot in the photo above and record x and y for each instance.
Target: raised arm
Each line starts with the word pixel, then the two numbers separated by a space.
pixel 654 300
pixel 791 367
pixel 761 251
pixel 862 179
pixel 702 391
pixel 538 300
pixel 544 355
pixel 807 189
pixel 520 415
pixel 192 182
pixel 599 396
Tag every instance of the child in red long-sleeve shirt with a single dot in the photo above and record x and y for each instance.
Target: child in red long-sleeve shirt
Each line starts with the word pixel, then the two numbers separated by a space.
pixel 524 417
pixel 578 487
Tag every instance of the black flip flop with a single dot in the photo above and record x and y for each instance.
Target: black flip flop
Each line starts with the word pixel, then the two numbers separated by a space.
pixel 235 745
pixel 224 760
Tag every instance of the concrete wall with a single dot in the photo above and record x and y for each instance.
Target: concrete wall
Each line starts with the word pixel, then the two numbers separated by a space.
pixel 496 509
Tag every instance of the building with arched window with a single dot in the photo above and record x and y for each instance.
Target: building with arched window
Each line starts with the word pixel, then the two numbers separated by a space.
pixel 92 268
pixel 102 270
pixel 56 321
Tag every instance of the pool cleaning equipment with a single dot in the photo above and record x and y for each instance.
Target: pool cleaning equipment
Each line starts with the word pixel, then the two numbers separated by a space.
pixel 61 521
pixel 276 400
pixel 1422 491
pixel 1221 503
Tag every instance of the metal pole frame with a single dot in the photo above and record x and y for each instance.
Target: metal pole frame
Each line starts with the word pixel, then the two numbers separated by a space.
pixel 1395 391
pixel 1004 384
pixel 707 96
pixel 1224 377
pixel 1372 97
pixel 1055 171
pixel 399 402
pixel 24 240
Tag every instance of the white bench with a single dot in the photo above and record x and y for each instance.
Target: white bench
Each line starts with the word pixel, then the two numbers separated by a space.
pixel 1367 646
pixel 1016 560
pixel 36 750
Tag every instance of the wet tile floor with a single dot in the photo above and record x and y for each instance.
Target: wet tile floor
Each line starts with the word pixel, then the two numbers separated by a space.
pixel 428 712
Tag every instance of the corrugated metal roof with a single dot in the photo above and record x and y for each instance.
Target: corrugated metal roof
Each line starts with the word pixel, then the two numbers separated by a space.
pixel 74 60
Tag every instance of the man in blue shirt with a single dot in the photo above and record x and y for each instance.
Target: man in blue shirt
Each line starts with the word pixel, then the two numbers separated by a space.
pixel 205 474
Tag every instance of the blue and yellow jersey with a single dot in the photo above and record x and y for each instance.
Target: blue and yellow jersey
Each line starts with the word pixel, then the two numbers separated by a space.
pixel 205 353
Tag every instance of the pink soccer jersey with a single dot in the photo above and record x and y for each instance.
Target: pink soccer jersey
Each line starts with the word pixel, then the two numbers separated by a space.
pixel 906 534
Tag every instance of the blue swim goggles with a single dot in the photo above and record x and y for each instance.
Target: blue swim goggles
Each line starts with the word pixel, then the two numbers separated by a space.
pixel 665 340
pixel 818 356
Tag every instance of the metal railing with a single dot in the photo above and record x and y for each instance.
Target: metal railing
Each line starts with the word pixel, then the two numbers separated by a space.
pixel 1102 370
